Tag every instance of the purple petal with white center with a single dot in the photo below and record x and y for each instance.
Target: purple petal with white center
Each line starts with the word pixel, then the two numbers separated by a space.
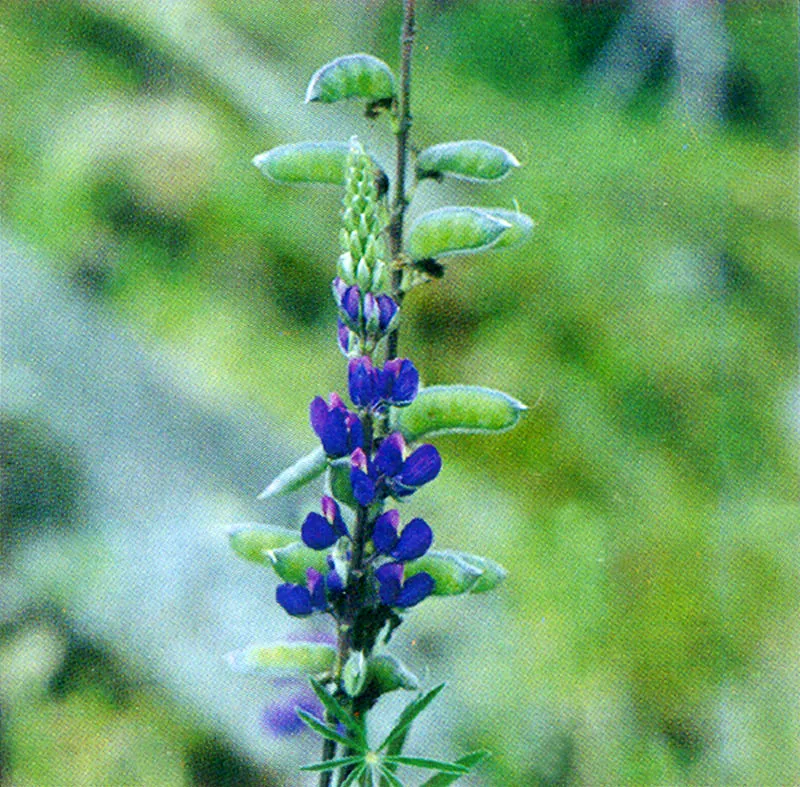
pixel 332 513
pixel 416 589
pixel 414 541
pixel 295 599
pixel 421 467
pixel 317 532
pixel 389 457
pixel 384 532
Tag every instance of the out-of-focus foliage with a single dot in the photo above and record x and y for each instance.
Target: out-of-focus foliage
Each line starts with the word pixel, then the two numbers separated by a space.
pixel 650 324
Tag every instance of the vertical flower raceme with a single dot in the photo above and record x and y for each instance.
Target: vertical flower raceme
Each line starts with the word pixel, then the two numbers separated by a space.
pixel 363 259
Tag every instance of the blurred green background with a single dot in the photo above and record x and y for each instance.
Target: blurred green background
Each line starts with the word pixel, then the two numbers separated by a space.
pixel 646 507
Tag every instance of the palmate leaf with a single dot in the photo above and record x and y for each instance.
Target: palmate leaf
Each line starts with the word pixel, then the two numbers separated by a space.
pixel 330 733
pixel 469 761
pixel 305 469
pixel 410 712
pixel 332 765
pixel 339 712
pixel 389 778
pixel 428 763
pixel 354 776
pixel 457 409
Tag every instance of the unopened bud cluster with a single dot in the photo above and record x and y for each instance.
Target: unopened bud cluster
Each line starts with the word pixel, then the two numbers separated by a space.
pixel 364 216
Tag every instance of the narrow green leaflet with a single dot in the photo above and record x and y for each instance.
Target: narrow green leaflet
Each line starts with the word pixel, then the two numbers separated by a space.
pixel 354 776
pixel 469 761
pixel 452 409
pixel 337 710
pixel 426 762
pixel 326 732
pixel 252 541
pixel 390 778
pixel 352 76
pixel 521 227
pixel 410 712
pixel 453 230
pixel 298 475
pixel 451 573
pixel 468 159
pixel 279 658
pixel 331 765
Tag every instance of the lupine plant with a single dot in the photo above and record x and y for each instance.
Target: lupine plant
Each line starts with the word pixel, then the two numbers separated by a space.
pixel 360 559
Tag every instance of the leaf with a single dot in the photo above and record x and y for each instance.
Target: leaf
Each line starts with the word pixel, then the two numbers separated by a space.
pixel 492 573
pixel 452 409
pixel 252 541
pixel 392 780
pixel 521 227
pixel 426 762
pixel 299 474
pixel 469 159
pixel 354 776
pixel 352 76
pixel 387 673
pixel 312 658
pixel 453 230
pixel 331 765
pixel 338 711
pixel 452 575
pixel 326 732
pixel 290 562
pixel 410 712
pixel 468 761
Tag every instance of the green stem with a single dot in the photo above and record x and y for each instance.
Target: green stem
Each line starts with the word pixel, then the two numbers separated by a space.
pixel 400 201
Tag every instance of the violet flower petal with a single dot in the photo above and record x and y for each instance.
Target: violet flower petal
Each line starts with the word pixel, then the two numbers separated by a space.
pixel 421 467
pixel 414 541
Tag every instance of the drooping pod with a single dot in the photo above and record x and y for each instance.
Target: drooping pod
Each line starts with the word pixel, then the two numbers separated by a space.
pixel 469 159
pixel 353 76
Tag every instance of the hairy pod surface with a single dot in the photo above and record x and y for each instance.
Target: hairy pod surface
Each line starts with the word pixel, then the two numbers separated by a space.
pixel 453 230
pixel 469 159
pixel 352 76
pixel 252 541
pixel 453 409
pixel 280 658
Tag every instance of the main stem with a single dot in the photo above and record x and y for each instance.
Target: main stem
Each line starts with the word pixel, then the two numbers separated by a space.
pixel 399 202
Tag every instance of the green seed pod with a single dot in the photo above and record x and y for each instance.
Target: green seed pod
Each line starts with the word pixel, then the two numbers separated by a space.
pixel 493 573
pixel 298 475
pixel 283 658
pixel 305 162
pixel 453 230
pixel 451 574
pixel 453 409
pixel 354 674
pixel 353 76
pixel 387 673
pixel 252 541
pixel 339 482
pixel 521 227
pixel 290 562
pixel 471 159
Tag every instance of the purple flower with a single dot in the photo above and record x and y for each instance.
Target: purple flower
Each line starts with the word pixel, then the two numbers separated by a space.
pixel 345 338
pixel 403 475
pixel 338 429
pixel 321 532
pixel 413 542
pixel 362 477
pixel 379 313
pixel 348 299
pixel 396 593
pixel 400 382
pixel 301 600
pixel 364 382
pixel 280 718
